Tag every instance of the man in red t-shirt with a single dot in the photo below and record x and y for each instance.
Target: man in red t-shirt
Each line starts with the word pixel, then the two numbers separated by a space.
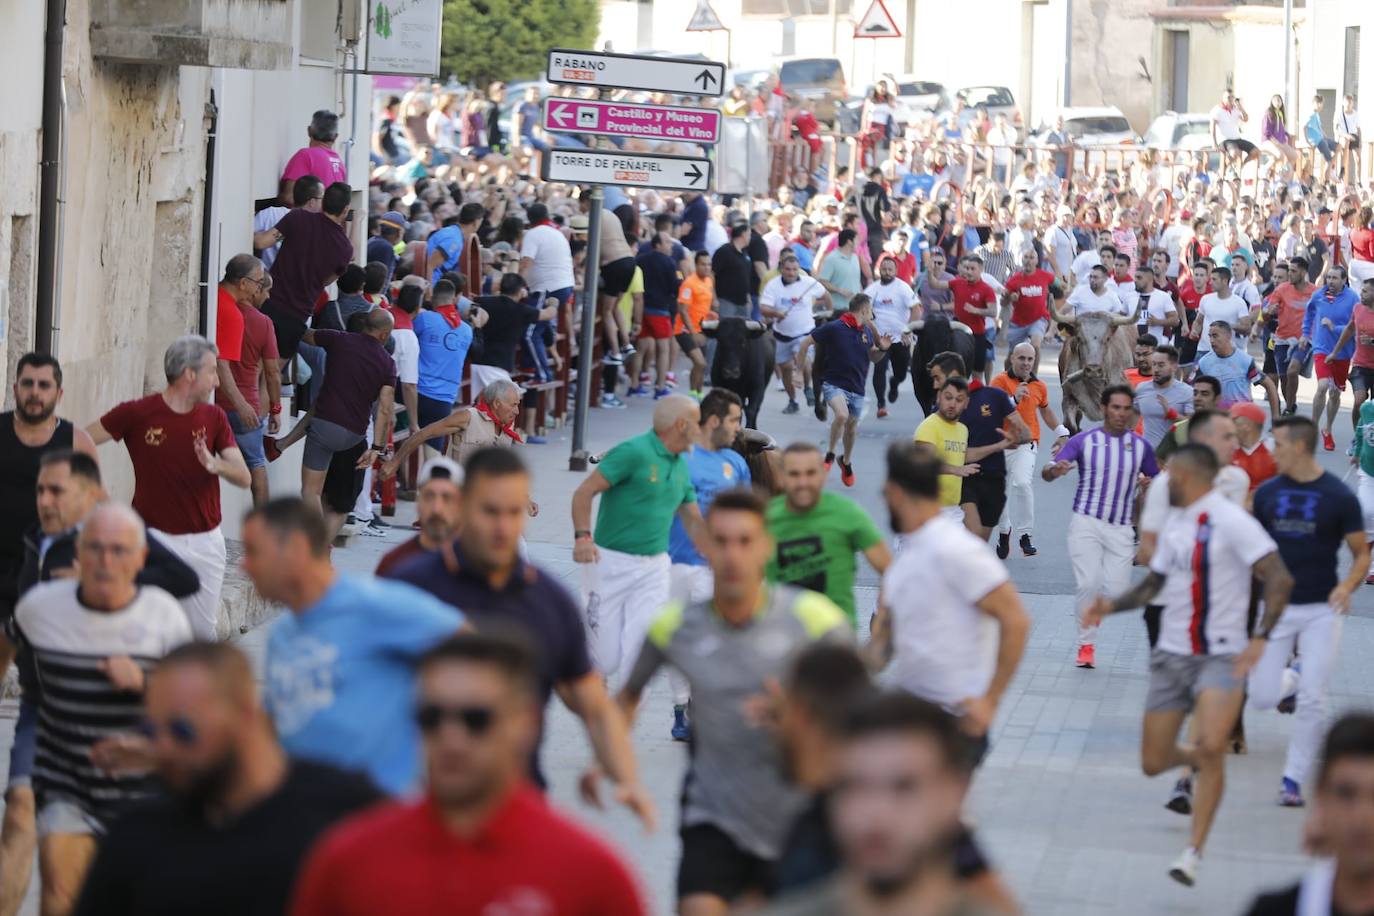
pixel 1288 303
pixel 181 445
pixel 246 370
pixel 1028 293
pixel 482 840
pixel 1190 293
pixel 974 302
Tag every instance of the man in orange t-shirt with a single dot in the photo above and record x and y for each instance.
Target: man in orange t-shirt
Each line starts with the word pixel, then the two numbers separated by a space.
pixel 1288 303
pixel 1032 402
pixel 696 300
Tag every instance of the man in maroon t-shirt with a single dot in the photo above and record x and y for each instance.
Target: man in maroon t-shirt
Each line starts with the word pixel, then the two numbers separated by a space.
pixel 315 249
pixel 181 445
pixel 974 302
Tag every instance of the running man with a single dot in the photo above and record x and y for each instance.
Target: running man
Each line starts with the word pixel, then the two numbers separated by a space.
pixel 1110 461
pixel 1309 513
pixel 894 307
pixel 1032 403
pixel 644 482
pixel 736 804
pixel 1236 370
pixel 1328 312
pixel 1203 566
pixel 1360 330
pixel 714 467
pixel 844 349
pixel 817 533
pixel 790 300
pixel 945 436
pixel 1028 291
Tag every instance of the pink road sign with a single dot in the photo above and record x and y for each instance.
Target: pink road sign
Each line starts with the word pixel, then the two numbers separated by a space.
pixel 617 119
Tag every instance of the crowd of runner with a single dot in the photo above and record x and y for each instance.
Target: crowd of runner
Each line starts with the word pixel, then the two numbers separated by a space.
pixel 389 759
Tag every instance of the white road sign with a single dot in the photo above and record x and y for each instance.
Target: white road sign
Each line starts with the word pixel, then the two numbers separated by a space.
pixel 631 170
pixel 635 71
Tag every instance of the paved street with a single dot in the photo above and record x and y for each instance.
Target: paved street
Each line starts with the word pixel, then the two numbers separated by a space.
pixel 1060 801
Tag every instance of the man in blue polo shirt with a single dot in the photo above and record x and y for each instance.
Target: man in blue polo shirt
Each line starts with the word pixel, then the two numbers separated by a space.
pixel 444 339
pixel 481 571
pixel 444 249
pixel 714 467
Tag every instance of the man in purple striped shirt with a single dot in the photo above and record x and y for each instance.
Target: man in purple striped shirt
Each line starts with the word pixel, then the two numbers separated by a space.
pixel 1110 461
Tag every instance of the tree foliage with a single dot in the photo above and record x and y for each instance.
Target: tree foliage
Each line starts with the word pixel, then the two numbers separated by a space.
pixel 485 40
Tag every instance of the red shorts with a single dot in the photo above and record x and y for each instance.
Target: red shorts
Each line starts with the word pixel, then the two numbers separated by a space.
pixel 1337 370
pixel 657 327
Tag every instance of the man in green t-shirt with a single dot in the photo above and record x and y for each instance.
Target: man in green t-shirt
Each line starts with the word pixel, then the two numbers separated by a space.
pixel 644 481
pixel 817 533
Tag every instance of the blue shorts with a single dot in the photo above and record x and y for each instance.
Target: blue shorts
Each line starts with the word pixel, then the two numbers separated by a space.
pixel 855 402
pixel 432 410
pixel 249 440
pixel 25 743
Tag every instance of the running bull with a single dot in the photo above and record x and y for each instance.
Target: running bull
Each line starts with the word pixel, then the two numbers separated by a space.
pixel 935 335
pixel 743 362
pixel 1096 355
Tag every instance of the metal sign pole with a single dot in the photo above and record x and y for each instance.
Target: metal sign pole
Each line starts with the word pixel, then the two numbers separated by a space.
pixel 585 366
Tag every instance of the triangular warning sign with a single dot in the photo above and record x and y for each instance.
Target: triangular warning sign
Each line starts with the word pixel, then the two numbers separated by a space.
pixel 877 23
pixel 705 19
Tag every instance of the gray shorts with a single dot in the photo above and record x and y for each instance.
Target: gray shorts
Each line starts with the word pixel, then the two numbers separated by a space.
pixel 786 349
pixel 1017 333
pixel 65 815
pixel 323 439
pixel 1176 680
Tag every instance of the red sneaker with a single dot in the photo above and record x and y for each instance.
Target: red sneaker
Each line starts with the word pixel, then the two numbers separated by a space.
pixel 1085 657
pixel 847 474
pixel 1369 580
pixel 882 412
pixel 829 461
pixel 1328 441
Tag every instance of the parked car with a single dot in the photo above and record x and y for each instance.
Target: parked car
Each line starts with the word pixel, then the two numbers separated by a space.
pixel 994 99
pixel 818 80
pixel 1088 127
pixel 751 80
pixel 918 99
pixel 1179 131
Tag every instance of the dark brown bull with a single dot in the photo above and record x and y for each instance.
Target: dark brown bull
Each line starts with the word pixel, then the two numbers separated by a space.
pixel 1096 356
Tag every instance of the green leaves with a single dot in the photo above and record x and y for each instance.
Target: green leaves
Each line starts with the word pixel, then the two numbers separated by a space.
pixel 486 40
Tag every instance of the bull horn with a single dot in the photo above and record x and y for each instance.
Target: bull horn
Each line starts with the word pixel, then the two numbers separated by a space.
pixel 1133 318
pixel 917 325
pixel 960 326
pixel 1062 318
pixel 753 325
pixel 759 441
pixel 711 323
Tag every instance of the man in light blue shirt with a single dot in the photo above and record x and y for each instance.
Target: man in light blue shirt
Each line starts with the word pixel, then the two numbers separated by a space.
pixel 1328 312
pixel 714 467
pixel 444 249
pixel 444 339
pixel 339 673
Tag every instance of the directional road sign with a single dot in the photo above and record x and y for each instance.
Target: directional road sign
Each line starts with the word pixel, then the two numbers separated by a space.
pixel 616 119
pixel 630 170
pixel 636 71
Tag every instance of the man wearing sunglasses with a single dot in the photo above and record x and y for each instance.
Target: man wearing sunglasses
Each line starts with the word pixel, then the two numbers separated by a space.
pixel 340 667
pixel 482 840
pixel 90 640
pixel 233 798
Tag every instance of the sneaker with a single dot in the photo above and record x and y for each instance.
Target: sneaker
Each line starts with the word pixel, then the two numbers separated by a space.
pixel 682 729
pixel 1328 441
pixel 1003 544
pixel 612 359
pixel 1288 688
pixel 1369 579
pixel 829 461
pixel 1289 411
pixel 270 448
pixel 696 394
pixel 1181 799
pixel 376 520
pixel 780 386
pixel 892 392
pixel 882 412
pixel 644 379
pixel 810 397
pixel 1085 657
pixel 671 378
pixel 791 408
pixel 639 392
pixel 846 473
pixel 1027 547
pixel 371 530
pixel 1350 450
pixel 611 402
pixel 1184 869
pixel 662 393
pixel 1290 794
pixel 536 440
pixel 627 351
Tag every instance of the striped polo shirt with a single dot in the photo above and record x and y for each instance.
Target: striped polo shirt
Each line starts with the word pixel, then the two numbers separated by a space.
pixel 77 704
pixel 1108 469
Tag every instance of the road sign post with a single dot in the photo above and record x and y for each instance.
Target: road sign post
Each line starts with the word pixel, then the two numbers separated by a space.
pixel 586 379
pixel 603 70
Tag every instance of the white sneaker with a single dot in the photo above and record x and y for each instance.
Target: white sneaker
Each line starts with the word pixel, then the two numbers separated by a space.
pixel 1184 869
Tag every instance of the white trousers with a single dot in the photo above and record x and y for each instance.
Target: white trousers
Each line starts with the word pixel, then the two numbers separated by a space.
pixel 688 584
pixel 1019 510
pixel 362 506
pixel 1101 554
pixel 621 595
pixel 1366 494
pixel 1360 271
pixel 203 551
pixel 1316 631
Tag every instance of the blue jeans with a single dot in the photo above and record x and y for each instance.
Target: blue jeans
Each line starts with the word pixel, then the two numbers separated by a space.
pixel 855 402
pixel 536 348
pixel 249 439
pixel 535 142
pixel 1327 147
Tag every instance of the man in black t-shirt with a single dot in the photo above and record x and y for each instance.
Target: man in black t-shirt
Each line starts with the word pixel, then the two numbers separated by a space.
pixel 240 818
pixel 730 265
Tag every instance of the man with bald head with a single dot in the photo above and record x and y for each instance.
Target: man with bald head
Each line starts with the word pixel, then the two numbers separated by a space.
pixel 1032 404
pixel 643 482
pixel 90 639
pixel 232 798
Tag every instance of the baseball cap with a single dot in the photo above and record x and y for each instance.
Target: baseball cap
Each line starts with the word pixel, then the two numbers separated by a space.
pixel 395 220
pixel 1252 412
pixel 441 468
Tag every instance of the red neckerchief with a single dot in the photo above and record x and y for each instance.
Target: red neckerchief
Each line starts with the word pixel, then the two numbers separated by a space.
pixel 544 222
pixel 484 409
pixel 974 384
pixel 849 320
pixel 449 313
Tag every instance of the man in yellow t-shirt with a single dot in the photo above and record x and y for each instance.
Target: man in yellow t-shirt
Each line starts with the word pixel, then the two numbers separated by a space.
pixel 947 438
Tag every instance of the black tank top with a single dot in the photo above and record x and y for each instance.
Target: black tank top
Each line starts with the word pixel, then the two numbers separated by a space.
pixel 18 479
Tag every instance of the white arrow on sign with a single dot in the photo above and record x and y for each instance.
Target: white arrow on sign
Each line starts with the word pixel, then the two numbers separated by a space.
pixel 629 170
pixel 636 71
pixel 559 116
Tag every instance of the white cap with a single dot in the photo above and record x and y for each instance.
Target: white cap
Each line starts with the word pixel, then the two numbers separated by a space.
pixel 443 469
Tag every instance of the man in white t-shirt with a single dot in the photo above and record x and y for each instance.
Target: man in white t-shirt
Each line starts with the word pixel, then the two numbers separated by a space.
pixel 894 307
pixel 1221 305
pixel 1061 245
pixel 1240 282
pixel 1157 311
pixel 790 299
pixel 1226 120
pixel 1097 295
pixel 942 589
pixel 546 264
pixel 1086 260
pixel 1202 569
